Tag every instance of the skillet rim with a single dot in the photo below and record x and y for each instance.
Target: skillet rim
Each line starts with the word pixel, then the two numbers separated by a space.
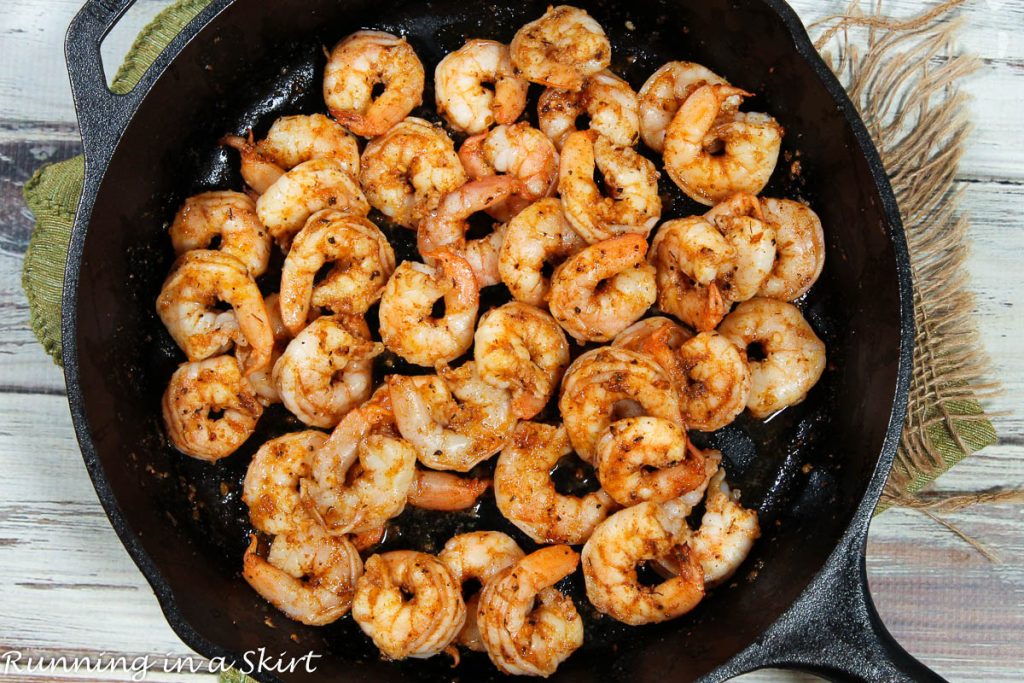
pixel 860 519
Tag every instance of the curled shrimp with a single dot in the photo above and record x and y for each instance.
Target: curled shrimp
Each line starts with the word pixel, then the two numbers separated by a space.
pixel 188 306
pixel 419 626
pixel 230 216
pixel 526 494
pixel 407 326
pixel 308 574
pixel 361 261
pixel 610 383
pixel 209 408
pixel 327 369
pixel 800 249
pixel 710 373
pixel 463 98
pixel 603 289
pixel 454 419
pixel 630 204
pixel 291 141
pixel 726 534
pixel 642 533
pixel 527 625
pixel 517 150
pixel 647 459
pixel 608 102
pixel 522 349
pixel 751 240
pixel 309 187
pixel 446 226
pixel 793 355
pixel 749 146
pixel 664 92
pixel 262 381
pixel 271 488
pixel 538 237
pixel 649 334
pixel 358 63
pixel 445 491
pixel 407 170
pixel 688 255
pixel 561 48
pixel 479 556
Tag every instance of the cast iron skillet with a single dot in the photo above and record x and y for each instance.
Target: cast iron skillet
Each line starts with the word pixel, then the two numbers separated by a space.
pixel 814 472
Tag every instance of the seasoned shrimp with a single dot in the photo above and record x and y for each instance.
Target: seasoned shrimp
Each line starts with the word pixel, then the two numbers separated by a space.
pixel 407 326
pixel 711 376
pixel 407 170
pixel 479 556
pixel 752 241
pixel 262 381
pixel 309 187
pixel 229 216
pixel 789 356
pixel 209 409
pixel 642 533
pixel 519 151
pixel 521 348
pixel 647 459
pixel 561 49
pixel 308 574
pixel 419 626
pixel 632 203
pixel 271 489
pixel 454 419
pixel 539 236
pixel 362 261
pixel 527 625
pixel 445 491
pixel 649 334
pixel 527 497
pixel 188 306
pixel 689 254
pixel 327 369
pixel 608 102
pixel 291 141
pixel 800 254
pixel 726 534
pixel 610 383
pixel 358 63
pixel 462 97
pixel 713 151
pixel 663 94
pixel 603 289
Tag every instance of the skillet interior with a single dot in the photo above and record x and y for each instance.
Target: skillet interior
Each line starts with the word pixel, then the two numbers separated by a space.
pixel 805 470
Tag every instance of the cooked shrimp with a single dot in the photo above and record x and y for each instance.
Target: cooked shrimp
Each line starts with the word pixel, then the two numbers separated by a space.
pixel 689 254
pixel 608 102
pixel 527 497
pixel 406 324
pixel 419 626
pixel 517 150
pixel 479 556
pixel 800 244
pixel 648 334
pixel 663 94
pixel 561 48
pixel 362 261
pixel 358 63
pixel 793 355
pixel 188 306
pixel 209 409
pixel 641 533
pixel 291 141
pixel 462 97
pixel 647 459
pixel 271 489
pixel 711 376
pixel 454 419
pixel 610 383
pixel 262 381
pixel 445 491
pixel 308 574
pixel 539 236
pixel 603 289
pixel 632 204
pixel 749 146
pixel 752 242
pixel 229 216
pixel 407 170
pixel 309 187
pixel 521 348
pixel 327 369
pixel 727 532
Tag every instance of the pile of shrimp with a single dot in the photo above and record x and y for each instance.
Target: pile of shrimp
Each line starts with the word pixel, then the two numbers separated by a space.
pixel 626 328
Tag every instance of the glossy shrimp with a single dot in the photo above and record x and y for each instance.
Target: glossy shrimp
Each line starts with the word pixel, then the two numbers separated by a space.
pixel 711 375
pixel 229 217
pixel 665 91
pixel 272 481
pixel 726 534
pixel 688 255
pixel 561 49
pixel 476 87
pixel 800 244
pixel 607 101
pixel 751 245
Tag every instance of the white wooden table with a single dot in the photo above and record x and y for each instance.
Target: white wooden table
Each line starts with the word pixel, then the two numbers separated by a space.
pixel 67 587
